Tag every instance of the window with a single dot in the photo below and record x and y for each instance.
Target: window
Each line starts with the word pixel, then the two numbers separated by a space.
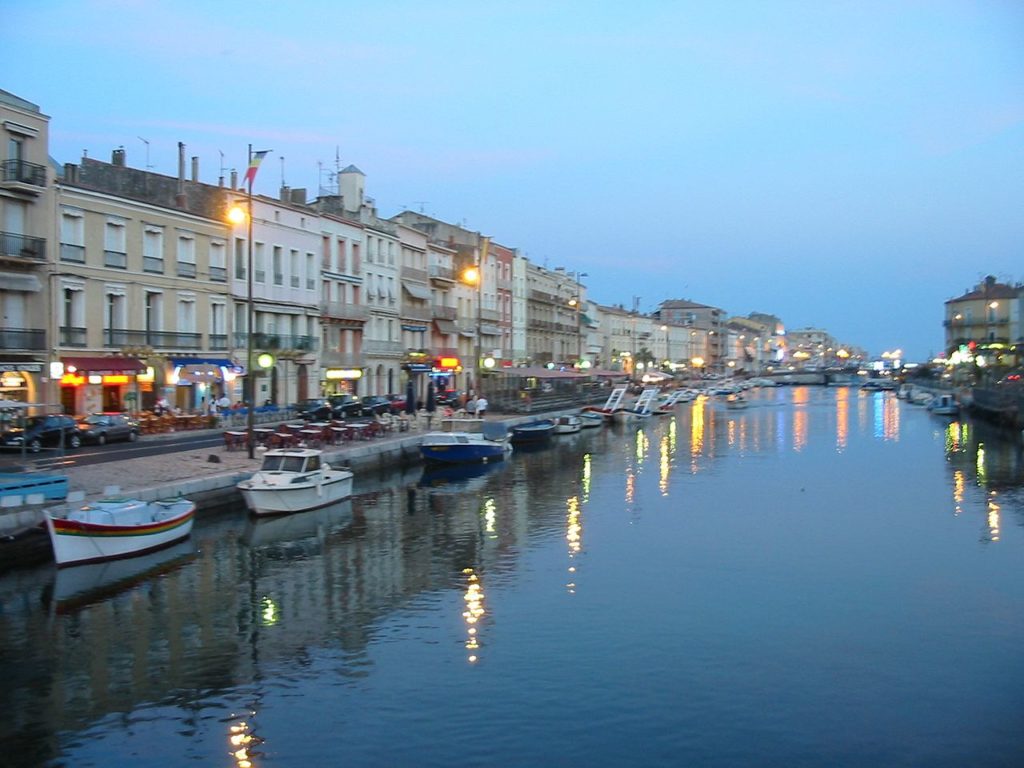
pixel 310 272
pixel 293 268
pixel 115 252
pixel 241 256
pixel 154 311
pixel 72 236
pixel 186 256
pixel 259 264
pixel 187 315
pixel 278 266
pixel 218 263
pixel 153 250
pixel 114 318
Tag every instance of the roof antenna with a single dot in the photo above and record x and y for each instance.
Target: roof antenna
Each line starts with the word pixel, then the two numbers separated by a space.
pixel 144 141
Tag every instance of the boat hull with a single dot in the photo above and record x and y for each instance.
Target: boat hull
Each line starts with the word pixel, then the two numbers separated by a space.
pixel 459 448
pixel 79 541
pixel 534 433
pixel 295 497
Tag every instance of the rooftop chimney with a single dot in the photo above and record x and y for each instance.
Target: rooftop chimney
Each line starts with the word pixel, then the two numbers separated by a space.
pixel 180 197
pixel 117 157
pixel 195 168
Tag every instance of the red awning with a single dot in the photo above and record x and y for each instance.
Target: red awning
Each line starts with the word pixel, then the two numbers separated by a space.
pixel 104 364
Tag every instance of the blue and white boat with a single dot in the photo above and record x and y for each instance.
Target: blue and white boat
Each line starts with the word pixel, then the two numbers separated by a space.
pixel 466 440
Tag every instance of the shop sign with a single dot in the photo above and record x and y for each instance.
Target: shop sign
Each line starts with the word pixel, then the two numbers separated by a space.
pixel 343 373
pixel 26 367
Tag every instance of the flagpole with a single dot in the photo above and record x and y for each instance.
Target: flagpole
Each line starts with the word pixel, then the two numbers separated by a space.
pixel 250 368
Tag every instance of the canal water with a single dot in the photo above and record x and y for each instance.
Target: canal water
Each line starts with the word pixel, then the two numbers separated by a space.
pixel 829 577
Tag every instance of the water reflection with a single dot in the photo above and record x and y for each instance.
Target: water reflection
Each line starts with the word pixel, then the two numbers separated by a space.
pixel 328 595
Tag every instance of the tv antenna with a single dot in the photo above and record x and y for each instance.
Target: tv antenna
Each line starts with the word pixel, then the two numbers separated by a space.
pixel 146 142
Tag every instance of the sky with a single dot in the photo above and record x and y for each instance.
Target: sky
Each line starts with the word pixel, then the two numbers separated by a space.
pixel 842 165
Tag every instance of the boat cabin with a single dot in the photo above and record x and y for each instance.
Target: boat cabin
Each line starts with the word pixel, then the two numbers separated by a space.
pixel 291 461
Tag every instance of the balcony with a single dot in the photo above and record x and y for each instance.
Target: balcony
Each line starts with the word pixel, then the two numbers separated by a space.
pixel 71 336
pixel 423 314
pixel 443 313
pixel 119 337
pixel 218 274
pixel 341 310
pixel 22 247
pixel 218 340
pixel 22 338
pixel 437 272
pixel 341 360
pixel 411 273
pixel 388 348
pixel 22 176
pixel 492 315
pixel 277 342
pixel 186 269
pixel 153 264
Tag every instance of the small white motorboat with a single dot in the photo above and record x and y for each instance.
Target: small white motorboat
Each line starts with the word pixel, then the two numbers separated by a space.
pixel 735 402
pixel 294 480
pixel 568 424
pixel 117 527
pixel 591 419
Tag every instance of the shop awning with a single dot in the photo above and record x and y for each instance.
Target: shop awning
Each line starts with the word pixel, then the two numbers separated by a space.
pixel 13 281
pixel 417 291
pixel 104 364
pixel 217 361
pixel 446 326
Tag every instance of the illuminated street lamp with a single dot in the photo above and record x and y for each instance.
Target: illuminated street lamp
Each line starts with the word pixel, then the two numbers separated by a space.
pixel 474 275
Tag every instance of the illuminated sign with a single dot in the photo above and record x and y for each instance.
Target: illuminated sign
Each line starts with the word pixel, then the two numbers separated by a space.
pixel 71 380
pixel 449 362
pixel 118 378
pixel 343 373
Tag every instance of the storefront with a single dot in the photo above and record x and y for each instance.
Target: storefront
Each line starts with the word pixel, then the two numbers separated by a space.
pixel 21 380
pixel 341 381
pixel 192 383
pixel 95 384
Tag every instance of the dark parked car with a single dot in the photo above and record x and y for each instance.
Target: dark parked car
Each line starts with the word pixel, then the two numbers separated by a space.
pixel 375 405
pixel 346 406
pixel 315 409
pixel 450 397
pixel 43 431
pixel 101 428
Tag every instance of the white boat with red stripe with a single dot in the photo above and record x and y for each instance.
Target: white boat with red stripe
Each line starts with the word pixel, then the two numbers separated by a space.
pixel 112 528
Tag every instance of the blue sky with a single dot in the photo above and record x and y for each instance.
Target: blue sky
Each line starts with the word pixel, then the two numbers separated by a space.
pixel 845 165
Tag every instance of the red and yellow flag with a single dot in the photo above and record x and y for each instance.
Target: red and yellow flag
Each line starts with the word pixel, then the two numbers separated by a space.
pixel 254 164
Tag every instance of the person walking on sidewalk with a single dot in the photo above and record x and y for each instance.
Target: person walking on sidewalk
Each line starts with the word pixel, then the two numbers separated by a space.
pixel 481 406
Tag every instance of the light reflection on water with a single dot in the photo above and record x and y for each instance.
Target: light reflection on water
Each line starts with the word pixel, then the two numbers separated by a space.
pixel 828 577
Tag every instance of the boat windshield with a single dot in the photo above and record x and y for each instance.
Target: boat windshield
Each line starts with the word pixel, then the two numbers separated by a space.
pixel 282 463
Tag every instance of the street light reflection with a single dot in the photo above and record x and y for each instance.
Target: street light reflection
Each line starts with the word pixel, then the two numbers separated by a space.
pixel 474 600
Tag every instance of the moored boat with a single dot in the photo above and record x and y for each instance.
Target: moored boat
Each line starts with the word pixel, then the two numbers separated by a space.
pixel 568 424
pixel 611 405
pixel 294 480
pixel 117 527
pixel 591 419
pixel 535 432
pixel 466 440
pixel 944 405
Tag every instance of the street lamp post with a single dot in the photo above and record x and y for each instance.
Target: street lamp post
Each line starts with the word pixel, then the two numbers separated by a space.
pixel 235 215
pixel 668 351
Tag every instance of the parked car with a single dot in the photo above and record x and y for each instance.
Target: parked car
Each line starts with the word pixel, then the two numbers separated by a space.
pixel 346 406
pixel 101 428
pixel 397 403
pixel 452 397
pixel 43 431
pixel 375 405
pixel 315 409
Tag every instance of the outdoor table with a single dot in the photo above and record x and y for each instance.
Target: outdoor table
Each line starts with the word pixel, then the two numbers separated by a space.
pixel 262 434
pixel 340 433
pixel 235 439
pixel 360 429
pixel 313 436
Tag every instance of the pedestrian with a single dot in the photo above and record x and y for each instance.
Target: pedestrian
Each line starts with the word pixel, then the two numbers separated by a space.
pixel 224 403
pixel 481 406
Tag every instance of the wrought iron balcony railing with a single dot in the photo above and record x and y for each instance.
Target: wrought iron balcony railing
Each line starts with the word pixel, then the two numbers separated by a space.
pixel 72 336
pixel 22 338
pixel 22 246
pixel 120 337
pixel 23 172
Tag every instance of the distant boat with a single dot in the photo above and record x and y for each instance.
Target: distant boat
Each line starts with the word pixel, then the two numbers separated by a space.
pixel 117 527
pixel 944 405
pixel 534 432
pixel 466 440
pixel 736 402
pixel 568 424
pixel 591 419
pixel 294 480
pixel 641 409
pixel 611 406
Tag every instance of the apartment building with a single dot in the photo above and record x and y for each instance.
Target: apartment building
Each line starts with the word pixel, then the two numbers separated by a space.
pixel 985 320
pixel 26 224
